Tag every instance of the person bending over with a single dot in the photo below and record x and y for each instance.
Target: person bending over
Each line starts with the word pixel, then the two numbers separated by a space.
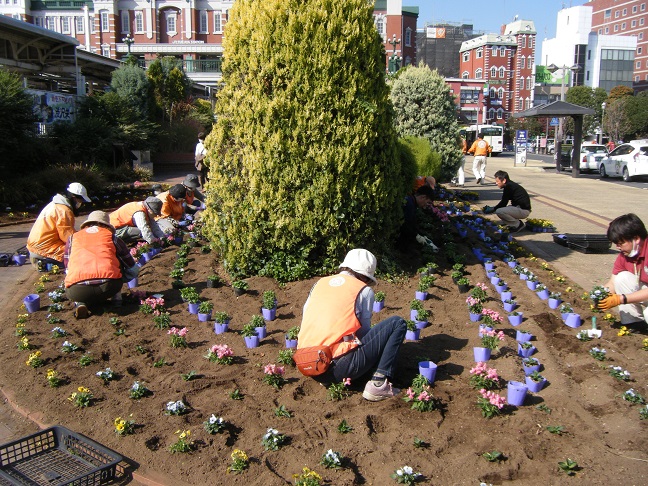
pixel 629 280
pixel 514 193
pixel 338 313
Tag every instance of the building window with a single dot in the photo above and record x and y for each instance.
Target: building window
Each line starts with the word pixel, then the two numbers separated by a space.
pixel 523 41
pixel 78 25
pixel 520 104
pixel 600 31
pixel 171 22
pixel 616 28
pixel 529 83
pixel 466 56
pixel 49 23
pixel 531 40
pixel 478 73
pixel 643 7
pixel 641 21
pixel 501 72
pixel 465 75
pixel 522 61
pixel 139 22
pixel 638 65
pixel 623 26
pixel 633 24
pixel 500 114
pixel 494 51
pixel 492 94
pixel 125 22
pixel 65 25
pixel 500 94
pixel 493 73
pixel 218 25
pixel 607 30
pixel 479 53
pixel 639 50
pixel 105 50
pixel 491 113
pixel 105 26
pixel 529 62
pixel 38 21
pixel 636 78
pixel 625 12
pixel 380 25
pixel 616 14
pixel 634 9
pixel 640 35
pixel 408 37
pixel 527 103
pixel 607 14
pixel 203 22
pixel 502 51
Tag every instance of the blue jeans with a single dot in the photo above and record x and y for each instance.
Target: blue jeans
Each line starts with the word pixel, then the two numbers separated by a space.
pixel 378 350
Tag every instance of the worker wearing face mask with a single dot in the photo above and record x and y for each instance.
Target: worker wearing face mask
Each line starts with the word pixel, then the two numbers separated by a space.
pixel 629 281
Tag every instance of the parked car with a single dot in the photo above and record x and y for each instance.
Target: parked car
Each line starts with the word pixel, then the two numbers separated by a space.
pixel 591 155
pixel 628 160
pixel 551 148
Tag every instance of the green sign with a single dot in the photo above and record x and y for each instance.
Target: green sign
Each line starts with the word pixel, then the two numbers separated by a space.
pixel 544 76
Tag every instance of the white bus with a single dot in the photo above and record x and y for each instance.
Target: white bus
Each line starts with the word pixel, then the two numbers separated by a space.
pixel 493 134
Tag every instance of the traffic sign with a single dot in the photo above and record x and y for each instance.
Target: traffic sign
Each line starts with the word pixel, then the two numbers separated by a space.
pixel 553 122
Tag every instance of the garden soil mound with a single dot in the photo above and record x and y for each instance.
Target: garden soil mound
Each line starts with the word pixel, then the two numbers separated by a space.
pixel 601 432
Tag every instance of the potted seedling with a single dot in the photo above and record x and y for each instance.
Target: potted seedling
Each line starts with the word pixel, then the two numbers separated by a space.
pixel 250 335
pixel 239 286
pixel 214 281
pixel 463 284
pixel 412 333
pixel 291 337
pixel 269 308
pixel 379 301
pixel 415 306
pixel 205 311
pixel 259 325
pixel 422 317
pixel 221 322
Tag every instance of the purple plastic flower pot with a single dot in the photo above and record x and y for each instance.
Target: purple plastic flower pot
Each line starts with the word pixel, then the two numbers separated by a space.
pixel 531 284
pixel 481 354
pixel 489 265
pixel 543 294
pixel 554 303
pixel 516 393
pixel 523 337
pixel 564 315
pixel 269 314
pixel 506 295
pixel 412 335
pixel 512 264
pixel 378 306
pixel 220 328
pixel 501 288
pixel 32 303
pixel 146 257
pixel 495 280
pixel 530 369
pixel 421 324
pixel 525 353
pixel 421 295
pixel 204 317
pixel 132 283
pixel 524 276
pixel 193 308
pixel 516 320
pixel 491 273
pixel 476 317
pixel 534 386
pixel 19 259
pixel 573 320
pixel 252 341
pixel 483 328
pixel 413 314
pixel 509 307
pixel 428 370
pixel 291 343
pixel 262 332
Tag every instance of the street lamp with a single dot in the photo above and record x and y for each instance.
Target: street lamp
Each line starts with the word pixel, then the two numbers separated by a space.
pixel 129 41
pixel 552 68
pixel 603 105
pixel 394 60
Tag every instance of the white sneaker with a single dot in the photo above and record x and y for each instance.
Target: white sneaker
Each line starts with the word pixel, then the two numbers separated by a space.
pixel 375 393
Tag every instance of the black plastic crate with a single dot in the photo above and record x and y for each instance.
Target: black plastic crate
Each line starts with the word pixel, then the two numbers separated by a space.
pixel 57 456
pixel 584 243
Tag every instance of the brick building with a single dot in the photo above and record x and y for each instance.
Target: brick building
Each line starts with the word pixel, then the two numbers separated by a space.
pixel 504 63
pixel 191 30
pixel 438 46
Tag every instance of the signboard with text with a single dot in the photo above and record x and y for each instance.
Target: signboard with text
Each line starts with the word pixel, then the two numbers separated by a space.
pixel 521 138
pixel 50 107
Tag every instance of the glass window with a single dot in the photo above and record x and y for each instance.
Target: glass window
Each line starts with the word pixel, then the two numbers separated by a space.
pixel 478 73
pixel 79 27
pixel 105 50
pixel 607 30
pixel 527 103
pixel 465 75
pixel 203 22
pixel 501 72
pixel 633 24
pixel 218 26
pixel 529 62
pixel 638 64
pixel 502 51
pixel 607 14
pixel 65 25
pixel 466 56
pixel 171 23
pixel 625 12
pixel 105 26
pixel 479 53
pixel 643 7
pixel 616 14
pixel 641 21
pixel 139 22
pixel 640 35
pixel 408 37
pixel 493 72
pixel 500 94
pixel 492 94
pixel 125 22
pixel 494 51
pixel 523 40
pixel 491 113
pixel 380 25
pixel 38 21
pixel 616 28
pixel 634 9
pixel 500 114
pixel 600 31
pixel 529 83
pixel 639 50
pixel 623 26
pixel 49 23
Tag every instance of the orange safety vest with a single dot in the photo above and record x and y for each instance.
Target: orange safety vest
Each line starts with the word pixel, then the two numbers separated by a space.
pixel 170 207
pixel 330 314
pixel 419 182
pixel 53 227
pixel 124 216
pixel 480 147
pixel 93 256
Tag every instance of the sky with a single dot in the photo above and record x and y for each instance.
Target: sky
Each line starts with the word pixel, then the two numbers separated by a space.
pixel 489 16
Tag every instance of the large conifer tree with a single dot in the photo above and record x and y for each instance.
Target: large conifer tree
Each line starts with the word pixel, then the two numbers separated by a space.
pixel 303 159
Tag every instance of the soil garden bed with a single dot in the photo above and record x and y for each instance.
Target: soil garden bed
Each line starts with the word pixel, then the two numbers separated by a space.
pixel 581 404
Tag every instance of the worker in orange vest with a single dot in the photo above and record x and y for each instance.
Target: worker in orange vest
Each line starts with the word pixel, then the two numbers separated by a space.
pixel 135 221
pixel 481 149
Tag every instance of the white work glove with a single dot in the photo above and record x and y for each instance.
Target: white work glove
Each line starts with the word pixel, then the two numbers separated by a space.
pixel 424 240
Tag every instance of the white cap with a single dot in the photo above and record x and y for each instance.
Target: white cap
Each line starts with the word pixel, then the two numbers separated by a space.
pixel 362 262
pixel 78 190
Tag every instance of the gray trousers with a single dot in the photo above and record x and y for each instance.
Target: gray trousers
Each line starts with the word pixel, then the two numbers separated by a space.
pixel 511 215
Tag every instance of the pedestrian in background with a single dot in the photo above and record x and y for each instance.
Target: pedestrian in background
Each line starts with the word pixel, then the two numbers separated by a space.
pixel 199 158
pixel 480 149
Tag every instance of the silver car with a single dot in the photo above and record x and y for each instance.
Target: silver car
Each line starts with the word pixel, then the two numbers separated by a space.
pixel 591 155
pixel 628 160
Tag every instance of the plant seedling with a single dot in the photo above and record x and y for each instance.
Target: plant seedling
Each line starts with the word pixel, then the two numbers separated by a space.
pixel 543 408
pixel 236 395
pixel 281 411
pixel 556 429
pixel 344 427
pixel 189 376
pixel 159 363
pixel 493 456
pixel 420 443
pixel 569 467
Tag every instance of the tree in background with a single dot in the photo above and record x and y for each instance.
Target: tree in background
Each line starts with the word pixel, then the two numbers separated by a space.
pixel 170 84
pixel 620 92
pixel 16 124
pixel 616 123
pixel 589 98
pixel 636 109
pixel 424 107
pixel 130 82
pixel 303 157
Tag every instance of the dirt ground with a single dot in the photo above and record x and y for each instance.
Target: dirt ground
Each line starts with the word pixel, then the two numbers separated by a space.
pixel 601 432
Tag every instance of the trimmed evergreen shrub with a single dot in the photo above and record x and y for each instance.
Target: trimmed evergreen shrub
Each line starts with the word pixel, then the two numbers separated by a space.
pixel 303 157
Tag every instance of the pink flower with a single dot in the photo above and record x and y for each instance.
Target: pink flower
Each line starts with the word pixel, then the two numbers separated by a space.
pixel 478 369
pixel 221 350
pixel 133 252
pixel 346 382
pixel 424 397
pixel 481 286
pixel 182 332
pixel 137 184
pixel 410 393
pixel 178 332
pixel 272 369
pixel 491 374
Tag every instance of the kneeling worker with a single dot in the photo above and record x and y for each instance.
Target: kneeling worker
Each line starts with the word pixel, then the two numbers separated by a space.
pixel 98 264
pixel 514 193
pixel 135 221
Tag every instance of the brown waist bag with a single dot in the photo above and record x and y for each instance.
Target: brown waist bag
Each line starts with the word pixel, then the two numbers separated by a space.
pixel 314 360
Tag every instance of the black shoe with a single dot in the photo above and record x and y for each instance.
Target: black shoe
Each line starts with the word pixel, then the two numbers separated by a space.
pixel 520 227
pixel 479 181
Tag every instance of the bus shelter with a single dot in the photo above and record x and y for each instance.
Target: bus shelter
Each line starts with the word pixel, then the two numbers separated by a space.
pixel 562 109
